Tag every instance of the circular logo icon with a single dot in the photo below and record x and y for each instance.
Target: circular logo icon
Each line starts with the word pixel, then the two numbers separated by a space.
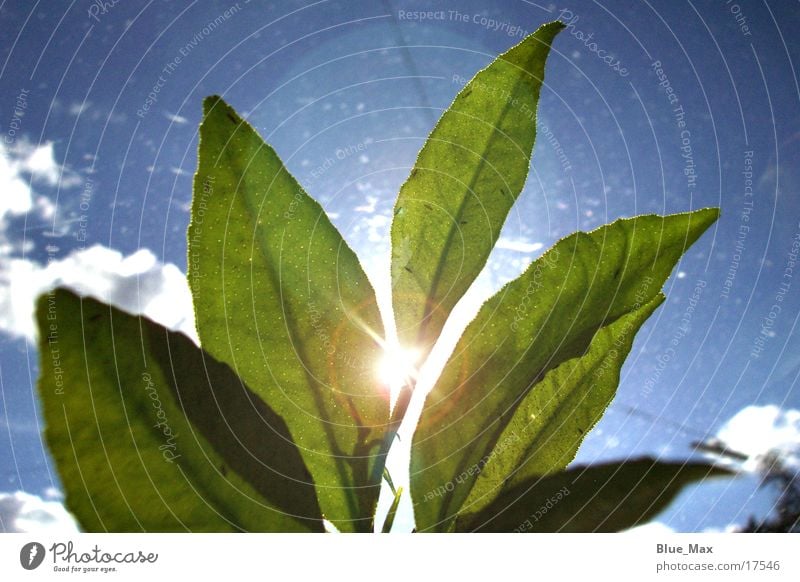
pixel 31 555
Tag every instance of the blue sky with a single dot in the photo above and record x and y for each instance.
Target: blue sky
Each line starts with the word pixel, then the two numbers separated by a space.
pixel 648 107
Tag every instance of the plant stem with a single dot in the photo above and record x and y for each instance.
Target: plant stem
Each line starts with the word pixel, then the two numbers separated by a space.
pixel 398 414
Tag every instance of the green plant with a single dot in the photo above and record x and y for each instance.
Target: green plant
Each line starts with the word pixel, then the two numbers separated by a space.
pixel 277 422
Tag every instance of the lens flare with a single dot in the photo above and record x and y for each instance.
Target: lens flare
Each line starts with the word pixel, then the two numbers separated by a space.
pixel 398 367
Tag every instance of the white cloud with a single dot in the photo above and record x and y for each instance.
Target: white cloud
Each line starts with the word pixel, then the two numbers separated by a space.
pixel 518 245
pixel 40 163
pixel 24 167
pixel 764 433
pixel 761 440
pixel 22 512
pixel 377 227
pixel 17 196
pixel 175 118
pixel 24 163
pixel 369 207
pixel 138 283
pixel 77 109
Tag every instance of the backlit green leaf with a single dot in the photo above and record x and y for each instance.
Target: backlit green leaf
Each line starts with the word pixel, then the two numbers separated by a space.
pixel 467 176
pixel 282 299
pixel 549 425
pixel 543 318
pixel 598 498
pixel 389 521
pixel 150 433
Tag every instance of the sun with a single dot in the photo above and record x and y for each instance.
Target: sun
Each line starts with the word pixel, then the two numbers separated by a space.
pixel 398 367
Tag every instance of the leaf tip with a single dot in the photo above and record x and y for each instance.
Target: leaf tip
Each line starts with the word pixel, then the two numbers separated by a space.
pixel 700 220
pixel 210 102
pixel 549 30
pixel 217 105
pixel 711 214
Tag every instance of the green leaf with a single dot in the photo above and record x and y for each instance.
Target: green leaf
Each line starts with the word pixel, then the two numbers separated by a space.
pixel 449 212
pixel 598 498
pixel 543 318
pixel 388 478
pixel 281 298
pixel 150 433
pixel 549 425
pixel 389 521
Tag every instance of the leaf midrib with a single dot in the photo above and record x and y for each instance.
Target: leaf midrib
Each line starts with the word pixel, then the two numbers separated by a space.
pixel 437 275
pixel 298 345
pixel 512 407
